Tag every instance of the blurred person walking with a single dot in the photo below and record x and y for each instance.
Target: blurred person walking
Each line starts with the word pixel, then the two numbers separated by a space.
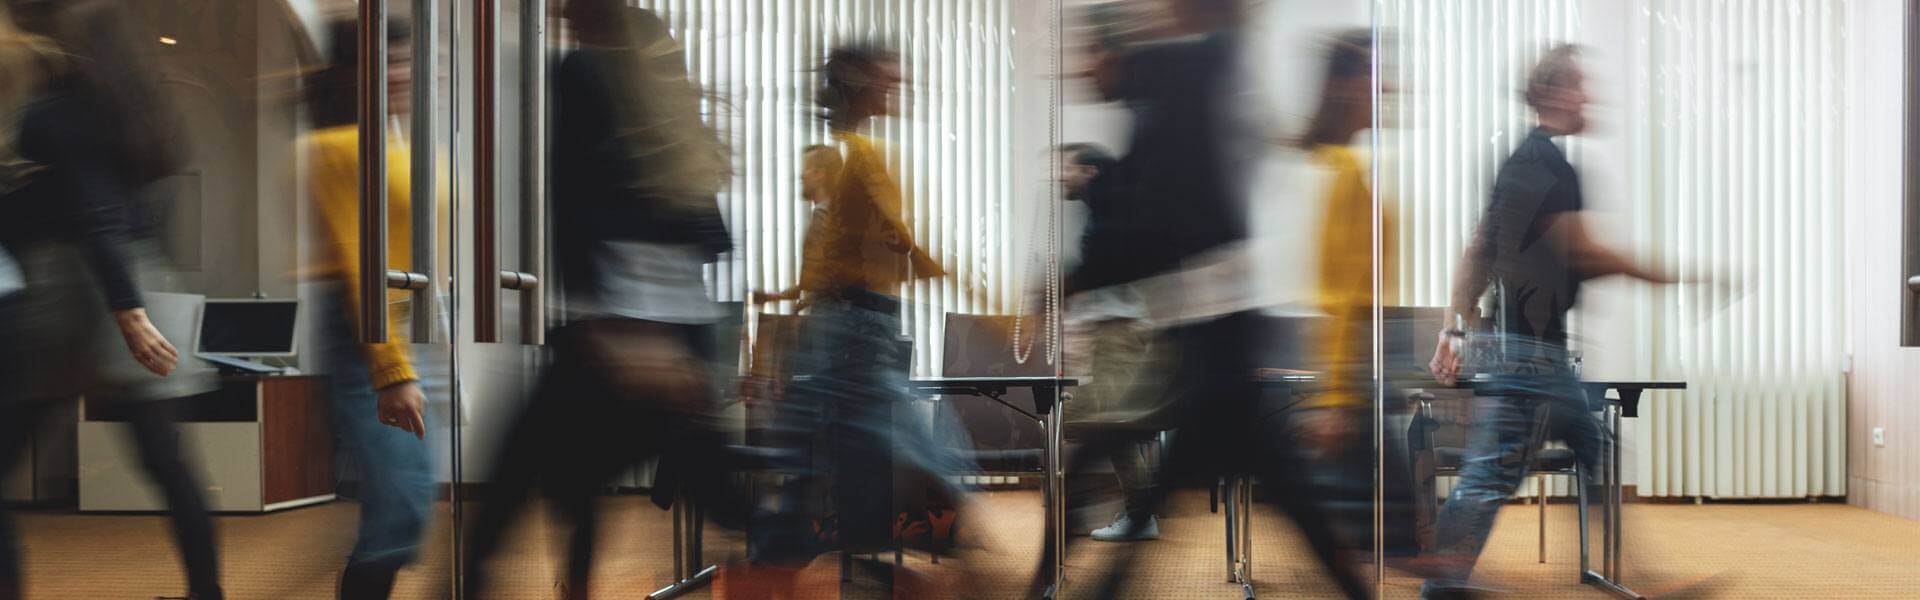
pixel 636 218
pixel 820 167
pixel 1534 249
pixel 91 131
pixel 376 394
pixel 1345 277
pixel 850 368
pixel 1187 254
pixel 1105 335
pixel 1336 424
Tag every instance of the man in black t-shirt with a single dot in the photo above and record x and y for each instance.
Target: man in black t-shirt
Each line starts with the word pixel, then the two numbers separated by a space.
pixel 1533 249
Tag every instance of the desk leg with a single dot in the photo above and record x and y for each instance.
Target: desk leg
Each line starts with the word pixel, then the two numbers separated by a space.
pixel 688 529
pixel 1615 539
pixel 1227 506
pixel 1586 544
pixel 1246 537
pixel 1237 504
pixel 1608 578
pixel 1056 499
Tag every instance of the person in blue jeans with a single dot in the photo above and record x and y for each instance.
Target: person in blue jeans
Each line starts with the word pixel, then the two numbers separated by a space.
pixel 378 398
pixel 1518 413
pixel 395 469
pixel 851 364
pixel 1533 250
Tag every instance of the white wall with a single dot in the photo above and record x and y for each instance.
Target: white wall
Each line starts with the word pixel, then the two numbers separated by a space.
pixel 1885 376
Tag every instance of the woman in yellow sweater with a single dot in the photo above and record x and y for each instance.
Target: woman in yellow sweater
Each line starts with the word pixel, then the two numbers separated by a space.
pixel 376 397
pixel 1336 424
pixel 1345 277
pixel 849 364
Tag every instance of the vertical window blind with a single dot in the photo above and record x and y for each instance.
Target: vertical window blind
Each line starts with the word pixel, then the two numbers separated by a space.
pixel 953 148
pixel 1743 171
pixel 1735 168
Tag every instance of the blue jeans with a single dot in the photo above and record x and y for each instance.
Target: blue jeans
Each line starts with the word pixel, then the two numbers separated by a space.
pixel 850 370
pixel 1509 429
pixel 396 472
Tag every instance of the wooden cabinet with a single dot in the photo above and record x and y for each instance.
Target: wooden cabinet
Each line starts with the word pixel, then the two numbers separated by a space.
pixel 257 443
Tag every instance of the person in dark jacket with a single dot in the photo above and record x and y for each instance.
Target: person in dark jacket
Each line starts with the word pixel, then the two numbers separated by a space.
pixel 89 133
pixel 1104 334
pixel 1184 250
pixel 636 218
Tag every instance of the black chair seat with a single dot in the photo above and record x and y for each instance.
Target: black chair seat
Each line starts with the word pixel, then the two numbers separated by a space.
pixel 1007 461
pixel 1554 459
pixel 758 457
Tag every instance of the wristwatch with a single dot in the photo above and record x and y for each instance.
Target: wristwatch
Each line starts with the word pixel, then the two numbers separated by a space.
pixel 1454 333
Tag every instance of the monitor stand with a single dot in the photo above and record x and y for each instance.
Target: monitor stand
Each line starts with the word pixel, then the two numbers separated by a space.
pixel 228 364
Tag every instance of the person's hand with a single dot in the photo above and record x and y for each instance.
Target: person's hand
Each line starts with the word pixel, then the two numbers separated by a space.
pixel 148 347
pixel 403 406
pixel 766 297
pixel 1446 360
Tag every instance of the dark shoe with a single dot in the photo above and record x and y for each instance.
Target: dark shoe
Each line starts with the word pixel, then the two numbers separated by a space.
pixel 367 583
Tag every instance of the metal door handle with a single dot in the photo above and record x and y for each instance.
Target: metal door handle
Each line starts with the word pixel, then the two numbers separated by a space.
pixel 372 69
pixel 486 66
pixel 519 281
pixel 375 277
pixel 406 280
pixel 425 172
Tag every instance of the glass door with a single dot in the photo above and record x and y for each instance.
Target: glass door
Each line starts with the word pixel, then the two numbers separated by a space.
pixel 405 100
pixel 293 241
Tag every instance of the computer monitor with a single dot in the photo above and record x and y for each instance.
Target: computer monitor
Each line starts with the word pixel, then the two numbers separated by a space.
pixel 248 328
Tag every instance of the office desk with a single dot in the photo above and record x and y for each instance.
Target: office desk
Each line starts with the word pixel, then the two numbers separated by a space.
pixel 1044 393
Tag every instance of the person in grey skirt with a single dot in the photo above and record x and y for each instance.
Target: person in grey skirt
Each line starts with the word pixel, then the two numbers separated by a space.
pixel 85 137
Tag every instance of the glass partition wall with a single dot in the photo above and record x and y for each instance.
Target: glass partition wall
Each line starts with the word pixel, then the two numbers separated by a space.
pixel 608 298
pixel 957 298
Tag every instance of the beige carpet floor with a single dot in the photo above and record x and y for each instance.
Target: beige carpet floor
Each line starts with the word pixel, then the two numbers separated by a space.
pixel 1743 551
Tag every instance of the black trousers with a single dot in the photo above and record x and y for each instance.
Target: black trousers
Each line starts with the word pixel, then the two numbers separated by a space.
pixel 570 440
pixel 1222 429
pixel 158 442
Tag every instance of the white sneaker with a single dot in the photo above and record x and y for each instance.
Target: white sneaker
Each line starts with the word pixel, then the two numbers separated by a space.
pixel 1120 530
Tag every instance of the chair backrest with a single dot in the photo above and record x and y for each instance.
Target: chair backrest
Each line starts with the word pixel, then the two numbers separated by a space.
pixel 1408 334
pixel 1449 417
pixel 773 343
pixel 1288 342
pixel 726 336
pixel 982 346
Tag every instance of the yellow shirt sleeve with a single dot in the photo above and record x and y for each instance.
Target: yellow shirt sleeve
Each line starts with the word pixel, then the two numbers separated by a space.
pixel 336 192
pixel 864 240
pixel 884 192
